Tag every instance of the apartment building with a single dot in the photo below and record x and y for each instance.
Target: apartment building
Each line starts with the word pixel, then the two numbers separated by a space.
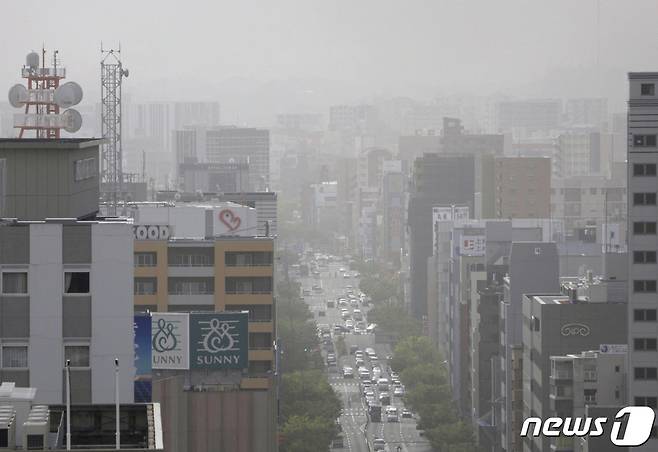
pixel 643 243
pixel 65 295
pixel 66 283
pixel 522 187
pixel 555 325
pixel 590 378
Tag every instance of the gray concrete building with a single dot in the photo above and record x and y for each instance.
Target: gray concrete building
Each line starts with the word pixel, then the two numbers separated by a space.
pixel 533 269
pixel 42 178
pixel 66 294
pixel 555 325
pixel 643 242
pixel 583 380
pixel 242 144
pixel 438 179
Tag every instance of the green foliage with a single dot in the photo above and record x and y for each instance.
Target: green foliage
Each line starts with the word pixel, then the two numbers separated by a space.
pixel 310 394
pixel 309 410
pixel 296 330
pixel 428 393
pixel 394 319
pixel 305 434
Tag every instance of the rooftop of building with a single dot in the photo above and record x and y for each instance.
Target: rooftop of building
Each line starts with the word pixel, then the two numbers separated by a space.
pixel 642 75
pixel 92 426
pixel 44 143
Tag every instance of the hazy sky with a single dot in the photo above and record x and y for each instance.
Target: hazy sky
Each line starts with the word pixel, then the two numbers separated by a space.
pixel 306 53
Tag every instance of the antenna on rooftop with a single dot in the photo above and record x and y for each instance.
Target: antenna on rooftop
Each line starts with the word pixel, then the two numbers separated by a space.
pixel 44 97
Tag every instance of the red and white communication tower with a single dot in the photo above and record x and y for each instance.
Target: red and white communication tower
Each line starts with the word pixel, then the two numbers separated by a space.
pixel 44 97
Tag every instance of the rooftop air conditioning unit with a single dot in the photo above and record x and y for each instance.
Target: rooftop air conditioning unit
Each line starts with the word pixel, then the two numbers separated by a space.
pixel 36 428
pixel 7 428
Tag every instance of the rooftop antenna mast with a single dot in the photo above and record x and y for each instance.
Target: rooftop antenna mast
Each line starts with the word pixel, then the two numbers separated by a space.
pixel 44 98
pixel 112 73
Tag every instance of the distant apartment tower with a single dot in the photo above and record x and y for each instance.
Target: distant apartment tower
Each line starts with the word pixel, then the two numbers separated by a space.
pixel 197 114
pixel 246 144
pixel 528 117
pixel 522 187
pixel 587 111
pixel 643 242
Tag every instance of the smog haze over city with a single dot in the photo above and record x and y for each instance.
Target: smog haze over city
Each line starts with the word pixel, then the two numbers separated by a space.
pixel 320 226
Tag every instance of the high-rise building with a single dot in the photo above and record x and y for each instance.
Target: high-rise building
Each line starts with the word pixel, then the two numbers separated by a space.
pixel 438 179
pixel 643 244
pixel 533 268
pixel 522 187
pixel 226 144
pixel 197 114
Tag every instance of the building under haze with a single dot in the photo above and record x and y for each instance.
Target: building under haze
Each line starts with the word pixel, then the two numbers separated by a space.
pixel 67 277
pixel 642 242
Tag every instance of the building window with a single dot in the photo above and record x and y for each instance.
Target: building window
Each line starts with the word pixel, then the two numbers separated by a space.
pixel 644 169
pixel 644 141
pixel 644 315
pixel 647 89
pixel 644 285
pixel 644 228
pixel 191 286
pixel 646 373
pixel 249 285
pixel 76 282
pixel 77 354
pixel 651 402
pixel 644 199
pixel 146 286
pixel 146 259
pixel 14 356
pixel 644 257
pixel 248 259
pixel 14 282
pixel 85 169
pixel 641 344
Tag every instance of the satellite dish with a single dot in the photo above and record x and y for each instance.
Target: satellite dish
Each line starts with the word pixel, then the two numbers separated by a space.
pixel 72 119
pixel 68 95
pixel 18 96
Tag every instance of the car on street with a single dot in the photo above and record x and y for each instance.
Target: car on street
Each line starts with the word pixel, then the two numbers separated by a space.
pixel 407 413
pixel 384 398
pixel 348 372
pixel 392 414
pixel 359 362
pixel 378 444
pixel 382 384
pixel 398 392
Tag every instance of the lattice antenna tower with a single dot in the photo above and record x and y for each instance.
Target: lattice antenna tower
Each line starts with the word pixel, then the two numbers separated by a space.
pixel 112 74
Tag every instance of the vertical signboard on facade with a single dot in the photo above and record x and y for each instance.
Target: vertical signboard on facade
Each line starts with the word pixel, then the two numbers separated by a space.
pixel 473 245
pixel 219 340
pixel 170 341
pixel 142 344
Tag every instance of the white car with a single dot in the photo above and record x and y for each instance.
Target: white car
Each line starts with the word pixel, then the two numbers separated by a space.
pixel 378 444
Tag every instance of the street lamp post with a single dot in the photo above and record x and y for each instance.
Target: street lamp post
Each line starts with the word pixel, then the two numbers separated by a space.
pixel 68 404
pixel 116 401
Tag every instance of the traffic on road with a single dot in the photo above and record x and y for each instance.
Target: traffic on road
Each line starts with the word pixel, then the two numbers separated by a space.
pixel 374 417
